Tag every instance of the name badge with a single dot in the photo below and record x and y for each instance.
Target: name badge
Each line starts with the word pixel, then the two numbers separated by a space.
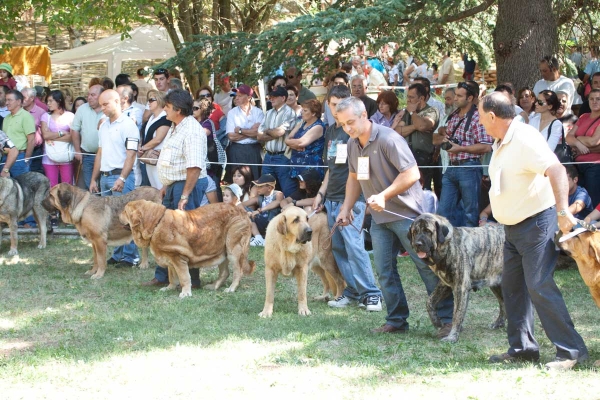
pixel 342 154
pixel 363 169
pixel 497 182
pixel 165 156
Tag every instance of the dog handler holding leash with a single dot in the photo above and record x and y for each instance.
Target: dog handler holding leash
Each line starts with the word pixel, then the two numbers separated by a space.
pixel 383 167
pixel 527 182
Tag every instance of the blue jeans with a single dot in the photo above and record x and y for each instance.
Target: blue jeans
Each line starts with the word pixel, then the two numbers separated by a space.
pixel 19 167
pixel 387 238
pixel 87 167
pixel 350 255
pixel 461 184
pixel 287 184
pixel 128 252
pixel 528 281
pixel 171 201
pixel 590 180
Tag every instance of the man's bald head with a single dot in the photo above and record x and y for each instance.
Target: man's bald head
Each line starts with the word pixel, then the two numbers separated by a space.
pixel 110 101
pixel 499 104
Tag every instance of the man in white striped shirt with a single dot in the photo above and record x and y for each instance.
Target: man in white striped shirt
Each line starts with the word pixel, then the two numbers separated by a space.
pixel 278 123
pixel 181 167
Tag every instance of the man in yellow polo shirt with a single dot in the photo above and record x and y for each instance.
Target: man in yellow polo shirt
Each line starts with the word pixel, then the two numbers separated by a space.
pixel 529 196
pixel 19 126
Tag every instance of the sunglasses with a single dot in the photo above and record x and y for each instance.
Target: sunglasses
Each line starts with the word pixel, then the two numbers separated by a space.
pixel 541 103
pixel 195 108
pixel 151 100
pixel 464 85
pixel 160 71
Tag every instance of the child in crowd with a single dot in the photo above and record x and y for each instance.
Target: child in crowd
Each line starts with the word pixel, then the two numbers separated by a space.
pixel 267 200
pixel 6 77
pixel 309 182
pixel 242 176
pixel 232 194
pixel 580 202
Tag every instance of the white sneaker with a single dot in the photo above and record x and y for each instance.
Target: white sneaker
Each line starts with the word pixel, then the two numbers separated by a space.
pixel 257 242
pixel 340 302
pixel 373 303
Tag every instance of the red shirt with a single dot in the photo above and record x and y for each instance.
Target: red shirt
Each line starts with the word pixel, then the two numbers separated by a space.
pixel 586 126
pixel 216 116
pixel 11 83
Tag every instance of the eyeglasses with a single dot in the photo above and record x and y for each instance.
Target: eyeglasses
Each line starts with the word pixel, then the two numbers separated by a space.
pixel 203 96
pixel 541 103
pixel 195 108
pixel 151 100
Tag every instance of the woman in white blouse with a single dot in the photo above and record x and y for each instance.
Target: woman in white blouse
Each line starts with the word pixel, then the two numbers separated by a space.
pixel 545 120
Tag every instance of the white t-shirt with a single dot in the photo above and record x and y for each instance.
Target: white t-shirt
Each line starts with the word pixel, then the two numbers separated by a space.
pixel 376 78
pixel 239 118
pixel 562 83
pixel 225 101
pixel 112 137
pixel 555 135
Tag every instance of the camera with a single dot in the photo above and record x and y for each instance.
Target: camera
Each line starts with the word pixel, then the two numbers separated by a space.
pixel 447 145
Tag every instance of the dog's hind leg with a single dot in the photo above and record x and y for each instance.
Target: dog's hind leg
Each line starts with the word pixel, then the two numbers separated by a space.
pixel 14 236
pixel 326 287
pixel 499 323
pixel 440 292
pixel 41 217
pixel 223 275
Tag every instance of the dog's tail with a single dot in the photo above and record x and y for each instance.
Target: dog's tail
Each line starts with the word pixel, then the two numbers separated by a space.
pixel 249 267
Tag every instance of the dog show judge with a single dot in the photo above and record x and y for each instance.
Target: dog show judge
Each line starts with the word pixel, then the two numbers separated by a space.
pixel 529 195
pixel 181 167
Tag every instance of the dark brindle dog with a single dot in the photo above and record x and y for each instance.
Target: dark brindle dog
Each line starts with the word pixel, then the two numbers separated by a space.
pixel 464 259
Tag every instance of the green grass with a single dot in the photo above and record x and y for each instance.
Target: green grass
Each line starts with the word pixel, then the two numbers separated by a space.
pixel 64 336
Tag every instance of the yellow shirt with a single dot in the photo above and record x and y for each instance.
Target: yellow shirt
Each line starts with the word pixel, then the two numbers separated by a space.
pixel 519 187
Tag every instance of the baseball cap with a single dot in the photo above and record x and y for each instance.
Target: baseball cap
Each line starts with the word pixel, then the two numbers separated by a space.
pixel 278 92
pixel 237 191
pixel 244 89
pixel 265 179
pixel 309 175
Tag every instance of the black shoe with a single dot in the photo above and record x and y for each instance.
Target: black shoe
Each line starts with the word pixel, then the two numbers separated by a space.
pixel 112 261
pixel 54 223
pixel 124 263
pixel 506 358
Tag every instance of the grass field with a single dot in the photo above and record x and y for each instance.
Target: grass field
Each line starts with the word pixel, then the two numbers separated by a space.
pixel 64 336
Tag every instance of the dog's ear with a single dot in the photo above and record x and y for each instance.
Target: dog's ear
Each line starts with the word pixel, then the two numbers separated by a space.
pixel 442 232
pixel 410 232
pixel 64 198
pixel 594 250
pixel 282 225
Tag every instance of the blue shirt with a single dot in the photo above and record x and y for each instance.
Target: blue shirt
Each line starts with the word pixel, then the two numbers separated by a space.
pixel 581 194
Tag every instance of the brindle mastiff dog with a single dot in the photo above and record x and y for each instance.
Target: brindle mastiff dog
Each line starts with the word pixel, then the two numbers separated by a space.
pixel 19 198
pixel 464 259
pixel 97 218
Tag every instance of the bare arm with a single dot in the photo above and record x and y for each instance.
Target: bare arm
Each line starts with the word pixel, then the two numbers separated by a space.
pixel 30 145
pixel 560 186
pixel 591 141
pixel 353 191
pixel 313 134
pixel 191 178
pixel 401 184
pixel 320 197
pixel 159 136
pixel 11 157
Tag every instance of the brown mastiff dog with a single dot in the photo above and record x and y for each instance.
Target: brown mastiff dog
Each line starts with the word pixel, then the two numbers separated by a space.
pixel 585 250
pixel 288 250
pixel 323 264
pixel 97 218
pixel 215 234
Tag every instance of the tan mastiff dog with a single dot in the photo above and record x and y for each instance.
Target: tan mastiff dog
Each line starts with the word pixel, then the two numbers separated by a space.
pixel 288 251
pixel 215 234
pixel 97 218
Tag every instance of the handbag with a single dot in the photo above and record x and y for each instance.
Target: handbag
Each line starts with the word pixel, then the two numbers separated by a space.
pixel 563 150
pixel 150 157
pixel 59 152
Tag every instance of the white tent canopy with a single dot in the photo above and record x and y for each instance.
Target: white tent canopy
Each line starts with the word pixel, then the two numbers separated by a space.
pixel 146 43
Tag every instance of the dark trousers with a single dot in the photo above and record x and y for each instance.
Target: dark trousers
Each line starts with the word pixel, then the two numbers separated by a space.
pixel 590 180
pixel 528 281
pixel 241 154
pixel 171 201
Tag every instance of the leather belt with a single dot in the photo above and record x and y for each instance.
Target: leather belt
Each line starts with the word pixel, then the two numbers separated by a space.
pixel 275 153
pixel 116 171
pixel 461 162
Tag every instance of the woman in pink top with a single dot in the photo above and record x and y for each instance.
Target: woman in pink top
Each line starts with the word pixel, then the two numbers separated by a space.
pixel 56 128
pixel 584 139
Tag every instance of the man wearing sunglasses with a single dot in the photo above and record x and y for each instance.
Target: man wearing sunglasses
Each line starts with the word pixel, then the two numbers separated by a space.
pixel 294 76
pixel 468 141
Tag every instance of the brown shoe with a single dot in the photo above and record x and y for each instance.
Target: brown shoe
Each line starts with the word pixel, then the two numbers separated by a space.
pixel 385 328
pixel 155 282
pixel 444 330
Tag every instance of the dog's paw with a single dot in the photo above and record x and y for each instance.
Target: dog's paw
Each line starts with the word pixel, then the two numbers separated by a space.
pixel 89 272
pixel 265 314
pixel 97 275
pixel 229 290
pixel 303 311
pixel 210 286
pixel 13 252
pixel 41 246
pixel 450 338
pixel 185 293
pixel 321 298
pixel 143 265
pixel 168 287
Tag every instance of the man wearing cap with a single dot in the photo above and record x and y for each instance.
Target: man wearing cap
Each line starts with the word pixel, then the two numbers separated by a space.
pixel 347 244
pixel 242 129
pixel 181 167
pixel 6 77
pixel 277 125
pixel 118 139
pixel 84 131
pixel 294 76
pixel 19 126
pixel 36 112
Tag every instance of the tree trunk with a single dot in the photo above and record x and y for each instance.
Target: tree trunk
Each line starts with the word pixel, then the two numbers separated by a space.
pixel 524 34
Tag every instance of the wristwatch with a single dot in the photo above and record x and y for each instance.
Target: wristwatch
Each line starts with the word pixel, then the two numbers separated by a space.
pixel 121 178
pixel 562 213
pixel 6 170
pixel 183 197
pixel 240 131
pixel 60 134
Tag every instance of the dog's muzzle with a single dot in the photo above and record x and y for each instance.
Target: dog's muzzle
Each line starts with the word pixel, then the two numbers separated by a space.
pixel 47 204
pixel 306 236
